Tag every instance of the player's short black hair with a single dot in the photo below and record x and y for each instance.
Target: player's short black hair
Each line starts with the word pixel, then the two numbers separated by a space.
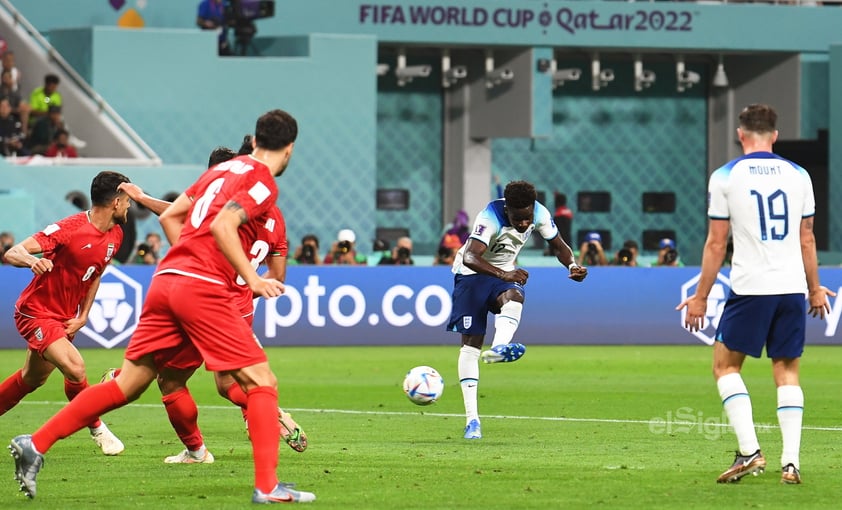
pixel 758 118
pixel 275 130
pixel 245 147
pixel 219 155
pixel 520 194
pixel 104 187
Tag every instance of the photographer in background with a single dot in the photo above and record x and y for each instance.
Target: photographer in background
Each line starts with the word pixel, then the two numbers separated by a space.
pixel 401 254
pixel 627 255
pixel 145 255
pixel 7 240
pixel 308 252
pixel 591 252
pixel 211 16
pixel 667 254
pixel 343 250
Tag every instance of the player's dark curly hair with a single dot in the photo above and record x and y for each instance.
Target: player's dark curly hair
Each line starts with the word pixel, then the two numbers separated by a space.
pixel 275 130
pixel 520 194
pixel 104 187
pixel 245 147
pixel 758 118
pixel 219 155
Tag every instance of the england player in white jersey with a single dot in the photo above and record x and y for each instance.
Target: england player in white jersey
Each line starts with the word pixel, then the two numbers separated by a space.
pixel 767 202
pixel 486 280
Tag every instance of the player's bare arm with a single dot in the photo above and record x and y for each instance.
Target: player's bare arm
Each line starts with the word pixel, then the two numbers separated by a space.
pixel 73 325
pixel 224 229
pixel 173 217
pixel 473 259
pixel 712 258
pixel 136 193
pixel 23 255
pixel 565 255
pixel 817 297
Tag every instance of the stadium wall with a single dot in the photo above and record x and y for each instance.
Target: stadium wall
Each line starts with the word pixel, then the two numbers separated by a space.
pixel 411 306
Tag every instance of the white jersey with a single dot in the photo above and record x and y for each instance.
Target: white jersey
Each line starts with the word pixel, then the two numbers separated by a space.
pixel 765 198
pixel 504 242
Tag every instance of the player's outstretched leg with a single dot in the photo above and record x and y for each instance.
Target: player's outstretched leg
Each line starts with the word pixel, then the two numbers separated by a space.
pixel 504 353
pixel 743 465
pixel 28 463
pixel 282 493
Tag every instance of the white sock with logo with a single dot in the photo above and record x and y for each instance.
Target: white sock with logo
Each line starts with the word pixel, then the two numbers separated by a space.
pixel 790 415
pixel 506 323
pixel 468 368
pixel 737 406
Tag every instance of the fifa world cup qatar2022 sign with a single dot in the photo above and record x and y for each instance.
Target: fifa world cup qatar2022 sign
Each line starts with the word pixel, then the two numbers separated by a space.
pixel 572 20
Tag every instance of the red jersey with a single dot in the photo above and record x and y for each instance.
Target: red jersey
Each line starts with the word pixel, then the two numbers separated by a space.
pixel 79 252
pixel 265 237
pixel 244 180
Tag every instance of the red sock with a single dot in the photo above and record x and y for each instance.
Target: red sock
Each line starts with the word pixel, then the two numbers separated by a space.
pixel 71 389
pixel 265 432
pixel 82 410
pixel 238 397
pixel 12 390
pixel 184 417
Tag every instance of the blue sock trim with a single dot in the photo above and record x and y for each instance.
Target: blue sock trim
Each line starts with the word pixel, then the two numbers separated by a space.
pixel 734 396
pixel 468 379
pixel 791 408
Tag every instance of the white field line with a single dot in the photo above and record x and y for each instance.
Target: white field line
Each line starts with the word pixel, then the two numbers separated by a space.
pixel 653 421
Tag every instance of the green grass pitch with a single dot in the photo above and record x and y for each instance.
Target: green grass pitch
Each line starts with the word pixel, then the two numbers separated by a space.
pixel 564 427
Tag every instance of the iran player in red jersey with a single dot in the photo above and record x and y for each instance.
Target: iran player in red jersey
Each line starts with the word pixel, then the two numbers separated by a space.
pixel 188 306
pixel 55 305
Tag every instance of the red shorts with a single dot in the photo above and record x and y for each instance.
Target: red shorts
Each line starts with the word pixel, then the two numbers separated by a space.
pixel 186 320
pixel 40 333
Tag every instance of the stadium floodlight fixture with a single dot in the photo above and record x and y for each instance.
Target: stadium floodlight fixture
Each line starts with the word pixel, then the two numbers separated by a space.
pixel 405 73
pixel 451 74
pixel 720 79
pixel 643 78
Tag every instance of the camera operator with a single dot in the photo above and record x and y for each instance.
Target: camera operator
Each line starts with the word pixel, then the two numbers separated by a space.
pixel 401 254
pixel 308 252
pixel 7 240
pixel 343 250
pixel 591 252
pixel 145 255
pixel 211 16
pixel 667 254
pixel 627 255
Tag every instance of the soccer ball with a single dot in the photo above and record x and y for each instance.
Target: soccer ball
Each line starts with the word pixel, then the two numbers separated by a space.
pixel 423 385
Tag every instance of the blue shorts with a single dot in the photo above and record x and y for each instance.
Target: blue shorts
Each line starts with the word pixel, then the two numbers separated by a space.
pixel 778 322
pixel 474 296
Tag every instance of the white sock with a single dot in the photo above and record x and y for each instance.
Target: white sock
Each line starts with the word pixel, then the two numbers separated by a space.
pixel 737 406
pixel 790 414
pixel 469 380
pixel 198 454
pixel 506 323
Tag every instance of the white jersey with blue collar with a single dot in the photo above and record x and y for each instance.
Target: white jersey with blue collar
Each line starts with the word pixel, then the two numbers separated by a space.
pixel 504 242
pixel 765 197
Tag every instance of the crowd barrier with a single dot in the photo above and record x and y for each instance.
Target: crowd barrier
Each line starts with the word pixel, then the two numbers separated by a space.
pixel 411 305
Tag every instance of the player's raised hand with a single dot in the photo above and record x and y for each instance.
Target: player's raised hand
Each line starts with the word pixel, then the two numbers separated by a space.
pixel 578 273
pixel 267 287
pixel 134 191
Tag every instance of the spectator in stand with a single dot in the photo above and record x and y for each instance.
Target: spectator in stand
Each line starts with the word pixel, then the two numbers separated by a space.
pixel 9 90
pixel 212 17
pixel 42 98
pixel 7 240
pixel 343 250
pixel 10 65
pixel 591 252
pixel 11 131
pixel 458 232
pixel 44 131
pixel 61 147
